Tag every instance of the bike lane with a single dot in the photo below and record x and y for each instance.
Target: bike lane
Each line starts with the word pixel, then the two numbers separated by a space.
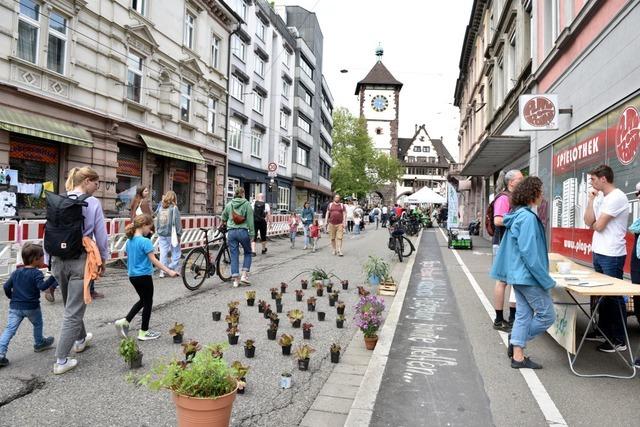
pixel 430 377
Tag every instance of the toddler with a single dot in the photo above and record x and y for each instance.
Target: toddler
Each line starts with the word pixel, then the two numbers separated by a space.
pixel 315 233
pixel 293 228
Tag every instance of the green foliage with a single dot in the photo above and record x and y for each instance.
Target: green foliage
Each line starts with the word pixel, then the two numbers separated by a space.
pixel 303 352
pixel 285 340
pixel 128 349
pixel 295 314
pixel 358 168
pixel 375 266
pixel 178 329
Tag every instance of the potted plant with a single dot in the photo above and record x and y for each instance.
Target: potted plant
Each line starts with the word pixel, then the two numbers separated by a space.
pixel 332 299
pixel 306 331
pixel 283 287
pixel 362 291
pixel 190 349
pixel 261 305
pixel 368 318
pixel 319 289
pixel 285 380
pixel 279 307
pixel 321 315
pixel 232 319
pixel 251 297
pixel 295 317
pixel 304 283
pixel 340 307
pixel 130 352
pixel 249 349
pixel 216 315
pixel 241 372
pixel 340 321
pixel 177 332
pixel 234 307
pixel 203 390
pixel 329 287
pixel 311 304
pixel 375 270
pixel 299 294
pixel 267 311
pixel 274 292
pixel 278 298
pixel 335 353
pixel 272 331
pixel 217 349
pixel 285 342
pixel 274 318
pixel 345 284
pixel 233 335
pixel 303 354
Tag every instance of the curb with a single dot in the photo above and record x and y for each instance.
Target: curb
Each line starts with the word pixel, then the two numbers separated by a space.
pixel 362 408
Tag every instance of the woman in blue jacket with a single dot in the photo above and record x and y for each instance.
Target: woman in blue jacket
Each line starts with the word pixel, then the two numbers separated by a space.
pixel 522 261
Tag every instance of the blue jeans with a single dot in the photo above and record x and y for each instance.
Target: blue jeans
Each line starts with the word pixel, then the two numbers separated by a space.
pixel 13 323
pixel 235 238
pixel 356 229
pixel 534 314
pixel 307 239
pixel 166 249
pixel 609 320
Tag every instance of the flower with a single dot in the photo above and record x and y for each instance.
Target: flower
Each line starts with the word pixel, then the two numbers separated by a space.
pixel 368 317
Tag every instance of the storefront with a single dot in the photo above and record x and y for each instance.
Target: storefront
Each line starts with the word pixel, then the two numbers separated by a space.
pixel 253 181
pixel 129 176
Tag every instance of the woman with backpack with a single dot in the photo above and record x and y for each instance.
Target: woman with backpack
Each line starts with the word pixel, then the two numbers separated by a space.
pixel 169 229
pixel 307 220
pixel 238 216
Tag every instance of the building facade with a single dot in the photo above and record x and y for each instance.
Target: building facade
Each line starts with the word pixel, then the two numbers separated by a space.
pixel 133 88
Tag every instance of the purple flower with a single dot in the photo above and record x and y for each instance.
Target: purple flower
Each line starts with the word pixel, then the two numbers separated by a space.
pixel 368 317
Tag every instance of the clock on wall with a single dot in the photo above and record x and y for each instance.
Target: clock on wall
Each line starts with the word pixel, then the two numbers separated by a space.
pixel 539 111
pixel 628 135
pixel 379 103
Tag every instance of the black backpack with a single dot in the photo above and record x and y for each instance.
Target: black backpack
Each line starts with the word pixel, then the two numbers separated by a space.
pixel 489 225
pixel 63 230
pixel 259 211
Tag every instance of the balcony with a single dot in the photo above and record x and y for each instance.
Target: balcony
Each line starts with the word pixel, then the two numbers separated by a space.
pixel 324 183
pixel 305 80
pixel 301 171
pixel 304 108
pixel 327 114
pixel 304 137
pixel 325 133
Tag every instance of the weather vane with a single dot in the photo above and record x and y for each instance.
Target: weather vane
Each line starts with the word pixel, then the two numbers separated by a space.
pixel 379 52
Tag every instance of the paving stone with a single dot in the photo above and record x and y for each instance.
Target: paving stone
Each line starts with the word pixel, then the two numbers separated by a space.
pixel 332 404
pixel 339 390
pixel 348 379
pixel 355 360
pixel 323 419
pixel 343 368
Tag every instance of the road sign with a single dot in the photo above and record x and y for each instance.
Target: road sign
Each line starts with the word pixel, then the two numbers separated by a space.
pixel 272 167
pixel 272 174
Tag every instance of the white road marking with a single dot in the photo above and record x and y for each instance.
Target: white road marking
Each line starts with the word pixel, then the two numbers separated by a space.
pixel 540 394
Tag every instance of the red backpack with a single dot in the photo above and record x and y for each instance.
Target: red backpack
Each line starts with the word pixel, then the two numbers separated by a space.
pixel 489 225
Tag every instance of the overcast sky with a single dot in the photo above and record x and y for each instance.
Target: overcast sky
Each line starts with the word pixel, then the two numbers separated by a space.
pixel 422 40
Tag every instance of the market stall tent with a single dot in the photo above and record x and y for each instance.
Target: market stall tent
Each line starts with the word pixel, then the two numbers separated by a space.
pixel 425 195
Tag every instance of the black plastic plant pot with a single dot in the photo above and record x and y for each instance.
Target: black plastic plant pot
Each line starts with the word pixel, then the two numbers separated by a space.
pixel 250 302
pixel 286 350
pixel 296 323
pixel 271 334
pixel 299 298
pixel 339 324
pixel 329 288
pixel 249 352
pixel 332 302
pixel 136 362
pixel 260 309
pixel 278 301
pixel 304 285
pixel 340 310
pixel 321 315
pixel 273 295
pixel 177 339
pixel 306 334
pixel 283 289
pixel 266 313
pixel 241 390
pixel 311 307
pixel 303 364
pixel 216 315
pixel 319 292
pixel 233 339
pixel 276 321
pixel 345 285
pixel 279 308
pixel 335 357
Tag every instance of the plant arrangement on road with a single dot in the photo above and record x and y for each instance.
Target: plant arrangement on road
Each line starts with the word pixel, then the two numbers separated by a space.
pixel 304 283
pixel 306 330
pixel 283 287
pixel 299 294
pixel 368 315
pixel 362 291
pixel 261 305
pixel 334 351
pixel 233 307
pixel 130 352
pixel 241 372
pixel 232 319
pixel 272 331
pixel 190 348
pixel 285 342
pixel 295 317
pixel 274 292
pixel 251 297
pixel 375 267
pixel 317 273
pixel 340 321
pixel 249 348
pixel 340 306
pixel 311 304
pixel 303 354
pixel 273 317
pixel 217 349
pixel 233 334
pixel 177 332
pixel 345 284
pixel 319 289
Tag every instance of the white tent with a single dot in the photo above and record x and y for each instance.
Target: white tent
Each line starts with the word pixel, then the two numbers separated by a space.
pixel 425 195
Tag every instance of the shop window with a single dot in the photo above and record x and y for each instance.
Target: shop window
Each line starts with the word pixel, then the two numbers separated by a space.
pixel 36 163
pixel 232 184
pixel 129 176
pixel 284 195
pixel 255 188
pixel 182 183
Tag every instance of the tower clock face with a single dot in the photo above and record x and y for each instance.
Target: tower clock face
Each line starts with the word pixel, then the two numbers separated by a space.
pixel 379 103
pixel 539 111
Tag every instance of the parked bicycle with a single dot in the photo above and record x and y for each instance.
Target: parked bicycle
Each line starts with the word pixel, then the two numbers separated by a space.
pixel 398 243
pixel 200 263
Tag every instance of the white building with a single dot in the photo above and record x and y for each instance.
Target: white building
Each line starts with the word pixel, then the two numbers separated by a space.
pixel 569 199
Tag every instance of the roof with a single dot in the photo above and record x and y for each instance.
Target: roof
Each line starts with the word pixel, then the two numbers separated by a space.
pixel 467 46
pixel 405 143
pixel 379 75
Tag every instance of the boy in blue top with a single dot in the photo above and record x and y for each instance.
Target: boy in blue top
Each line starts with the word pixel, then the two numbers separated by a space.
pixel 23 289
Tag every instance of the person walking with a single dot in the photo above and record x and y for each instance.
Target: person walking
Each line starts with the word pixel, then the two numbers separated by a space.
pixel 336 220
pixel 501 207
pixel 294 222
pixel 357 221
pixel 261 219
pixel 522 261
pixel 70 273
pixel 140 204
pixel 374 216
pixel 315 234
pixel 307 219
pixel 350 210
pixel 23 289
pixel 141 259
pixel 238 216
pixel 169 229
pixel 607 214
pixel 385 215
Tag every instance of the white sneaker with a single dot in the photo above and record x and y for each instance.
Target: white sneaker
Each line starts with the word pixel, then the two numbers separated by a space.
pixel 61 369
pixel 161 275
pixel 80 347
pixel 236 283
pixel 245 280
pixel 122 326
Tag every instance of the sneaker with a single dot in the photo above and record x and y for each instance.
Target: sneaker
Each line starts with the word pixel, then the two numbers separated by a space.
pixel 595 336
pixel 3 361
pixel 605 347
pixel 334 252
pixel 161 275
pixel 501 325
pixel 253 254
pixel 122 326
pixel 236 283
pixel 59 369
pixel 245 280
pixel 340 253
pixel 97 295
pixel 45 345
pixel 525 364
pixel 264 251
pixel 80 347
pixel 148 335
pixel 305 248
pixel 49 295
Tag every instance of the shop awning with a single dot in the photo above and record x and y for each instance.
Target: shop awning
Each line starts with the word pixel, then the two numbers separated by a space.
pixel 165 148
pixel 494 153
pixel 43 127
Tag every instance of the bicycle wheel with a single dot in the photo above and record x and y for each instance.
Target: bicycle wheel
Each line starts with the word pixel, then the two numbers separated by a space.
pixel 399 248
pixel 194 268
pixel 408 247
pixel 223 263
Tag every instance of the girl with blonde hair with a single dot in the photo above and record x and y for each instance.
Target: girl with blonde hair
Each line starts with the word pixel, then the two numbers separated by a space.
pixel 168 217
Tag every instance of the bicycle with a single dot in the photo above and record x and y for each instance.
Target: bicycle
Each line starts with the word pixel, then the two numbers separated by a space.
pixel 398 243
pixel 200 264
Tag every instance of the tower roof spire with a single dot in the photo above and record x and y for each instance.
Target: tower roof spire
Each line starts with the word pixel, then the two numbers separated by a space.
pixel 379 75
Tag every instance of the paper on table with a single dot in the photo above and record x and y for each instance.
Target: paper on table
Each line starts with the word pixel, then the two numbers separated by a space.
pixel 593 283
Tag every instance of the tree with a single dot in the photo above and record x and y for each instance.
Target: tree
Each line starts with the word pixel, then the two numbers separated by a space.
pixel 358 168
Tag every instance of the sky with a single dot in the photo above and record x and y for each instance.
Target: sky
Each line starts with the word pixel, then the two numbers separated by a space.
pixel 422 41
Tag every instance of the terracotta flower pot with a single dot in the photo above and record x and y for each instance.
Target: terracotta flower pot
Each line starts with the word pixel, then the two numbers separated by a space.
pixel 370 342
pixel 192 411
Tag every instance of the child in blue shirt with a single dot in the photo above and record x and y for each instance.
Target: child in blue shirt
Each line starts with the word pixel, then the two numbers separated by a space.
pixel 141 259
pixel 23 289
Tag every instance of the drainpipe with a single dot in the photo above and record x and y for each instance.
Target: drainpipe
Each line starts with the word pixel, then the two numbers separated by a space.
pixel 226 119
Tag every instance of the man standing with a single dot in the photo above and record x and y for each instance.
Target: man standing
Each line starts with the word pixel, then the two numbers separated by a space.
pixel 501 207
pixel 261 218
pixel 607 214
pixel 385 215
pixel 336 220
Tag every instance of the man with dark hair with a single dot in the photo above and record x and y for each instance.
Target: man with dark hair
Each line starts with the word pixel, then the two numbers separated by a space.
pixel 607 214
pixel 261 219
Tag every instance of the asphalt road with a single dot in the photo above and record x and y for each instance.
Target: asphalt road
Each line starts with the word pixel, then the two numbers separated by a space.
pixel 96 392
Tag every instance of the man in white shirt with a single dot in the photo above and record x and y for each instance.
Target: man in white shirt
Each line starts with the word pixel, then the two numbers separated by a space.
pixel 608 214
pixel 385 215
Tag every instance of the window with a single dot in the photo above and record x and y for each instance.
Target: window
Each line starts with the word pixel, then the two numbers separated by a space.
pixel 325 145
pixel 212 103
pixel 303 155
pixel 241 9
pixel 282 154
pixel 261 30
pixel 215 52
pixel 417 149
pixel 283 198
pixel 511 73
pixel 134 76
pixel 28 30
pixel 286 88
pixel 411 159
pixel 232 184
pixel 256 144
pixel 237 88
pixel 304 124
pixel 426 149
pixel 235 134
pixel 258 102
pixel 284 120
pixel 189 29
pixel 306 95
pixel 239 49
pixel 57 42
pixel 379 131
pixel 139 6
pixel 185 100
pixel 287 58
pixel 325 169
pixel 306 67
pixel 259 66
